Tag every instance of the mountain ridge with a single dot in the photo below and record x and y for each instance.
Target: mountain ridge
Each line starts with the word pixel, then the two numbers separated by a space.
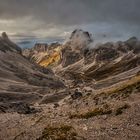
pixel 21 80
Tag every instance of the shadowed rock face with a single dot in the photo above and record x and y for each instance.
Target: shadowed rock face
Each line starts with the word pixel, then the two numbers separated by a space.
pixel 73 49
pixel 19 107
pixel 69 57
pixel 40 47
pixel 20 80
pixel 105 52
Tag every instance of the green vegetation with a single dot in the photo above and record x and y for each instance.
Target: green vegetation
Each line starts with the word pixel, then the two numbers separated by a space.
pixel 63 132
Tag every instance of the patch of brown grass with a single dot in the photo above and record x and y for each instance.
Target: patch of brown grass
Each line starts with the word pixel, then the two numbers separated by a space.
pixel 64 132
pixel 92 113
pixel 124 89
pixel 104 110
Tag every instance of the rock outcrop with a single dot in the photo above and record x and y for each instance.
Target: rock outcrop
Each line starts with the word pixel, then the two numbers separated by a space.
pixel 40 47
pixel 74 48
pixel 44 54
pixel 7 45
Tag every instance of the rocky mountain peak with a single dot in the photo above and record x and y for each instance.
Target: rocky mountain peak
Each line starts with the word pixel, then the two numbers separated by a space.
pixel 40 47
pixel 79 39
pixel 80 34
pixel 4 35
pixel 131 42
pixel 7 45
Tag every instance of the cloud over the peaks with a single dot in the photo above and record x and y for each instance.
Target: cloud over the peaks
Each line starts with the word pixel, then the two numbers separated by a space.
pixel 56 18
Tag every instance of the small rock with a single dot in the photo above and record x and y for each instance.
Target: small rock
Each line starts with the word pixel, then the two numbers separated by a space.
pixel 56 105
pixel 76 95
pixel 137 124
pixel 114 128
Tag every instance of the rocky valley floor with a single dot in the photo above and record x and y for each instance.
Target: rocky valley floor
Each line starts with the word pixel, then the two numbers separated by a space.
pixel 92 116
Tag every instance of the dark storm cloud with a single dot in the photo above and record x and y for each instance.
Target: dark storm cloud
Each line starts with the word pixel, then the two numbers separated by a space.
pixel 57 16
pixel 70 12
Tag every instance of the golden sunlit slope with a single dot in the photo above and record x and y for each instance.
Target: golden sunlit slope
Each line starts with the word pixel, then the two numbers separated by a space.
pixel 127 86
pixel 52 58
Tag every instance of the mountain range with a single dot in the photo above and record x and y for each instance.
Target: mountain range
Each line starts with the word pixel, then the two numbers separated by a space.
pixel 77 90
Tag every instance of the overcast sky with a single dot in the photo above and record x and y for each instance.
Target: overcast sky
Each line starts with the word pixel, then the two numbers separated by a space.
pixel 56 19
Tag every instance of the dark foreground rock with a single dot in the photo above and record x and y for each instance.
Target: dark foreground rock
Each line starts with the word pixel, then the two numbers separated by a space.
pixel 19 107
